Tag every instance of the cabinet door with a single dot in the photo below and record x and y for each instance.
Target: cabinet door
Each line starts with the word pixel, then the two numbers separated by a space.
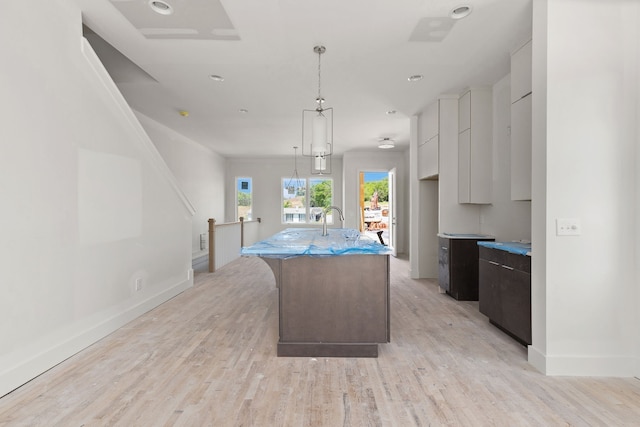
pixel 443 263
pixel 422 161
pixel 480 170
pixel 475 146
pixel 464 165
pixel 431 127
pixel 521 72
pixel 464 111
pixel 515 291
pixel 521 149
pixel 428 159
pixel 489 274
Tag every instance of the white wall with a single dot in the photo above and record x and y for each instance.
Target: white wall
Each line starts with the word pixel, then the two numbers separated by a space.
pixel 637 214
pixel 88 206
pixel 355 162
pixel 585 148
pixel 267 174
pixel 199 171
pixel 504 218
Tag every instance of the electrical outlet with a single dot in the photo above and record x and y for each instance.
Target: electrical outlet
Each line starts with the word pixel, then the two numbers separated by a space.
pixel 568 227
pixel 138 284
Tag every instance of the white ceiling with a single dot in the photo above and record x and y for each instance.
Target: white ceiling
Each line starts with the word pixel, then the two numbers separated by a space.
pixel 264 51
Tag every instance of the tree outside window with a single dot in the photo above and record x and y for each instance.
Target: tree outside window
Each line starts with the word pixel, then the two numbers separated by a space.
pixel 244 196
pixel 304 200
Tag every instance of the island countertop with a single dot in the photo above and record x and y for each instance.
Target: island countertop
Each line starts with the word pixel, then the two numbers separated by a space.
pixel 311 242
pixel 519 248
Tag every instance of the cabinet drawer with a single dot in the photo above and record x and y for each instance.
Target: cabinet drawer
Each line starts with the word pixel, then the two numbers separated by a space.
pixel 509 260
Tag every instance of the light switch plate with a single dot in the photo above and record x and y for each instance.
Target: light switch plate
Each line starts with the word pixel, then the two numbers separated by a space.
pixel 568 227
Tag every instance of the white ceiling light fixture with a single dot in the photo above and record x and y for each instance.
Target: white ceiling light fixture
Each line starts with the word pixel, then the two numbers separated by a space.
pixel 317 130
pixel 460 12
pixel 161 7
pixel 386 143
pixel 415 78
pixel 216 78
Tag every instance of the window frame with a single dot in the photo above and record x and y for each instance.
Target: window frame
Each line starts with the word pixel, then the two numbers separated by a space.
pixel 238 191
pixel 307 214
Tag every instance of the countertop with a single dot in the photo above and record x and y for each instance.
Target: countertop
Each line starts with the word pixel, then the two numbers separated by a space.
pixel 464 236
pixel 310 241
pixel 520 248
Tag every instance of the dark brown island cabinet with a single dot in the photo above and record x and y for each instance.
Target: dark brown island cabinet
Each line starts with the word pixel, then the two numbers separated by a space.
pixel 505 287
pixel 458 264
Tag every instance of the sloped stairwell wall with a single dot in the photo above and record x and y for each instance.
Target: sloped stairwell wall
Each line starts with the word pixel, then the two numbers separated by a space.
pixel 94 229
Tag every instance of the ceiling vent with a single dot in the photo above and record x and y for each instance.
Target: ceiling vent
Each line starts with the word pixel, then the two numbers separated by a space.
pixel 432 29
pixel 195 19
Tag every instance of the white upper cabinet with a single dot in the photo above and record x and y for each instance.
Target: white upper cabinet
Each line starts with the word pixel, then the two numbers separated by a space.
pixel 428 159
pixel 521 72
pixel 464 111
pixel 475 145
pixel 521 149
pixel 521 97
pixel 428 148
pixel 431 115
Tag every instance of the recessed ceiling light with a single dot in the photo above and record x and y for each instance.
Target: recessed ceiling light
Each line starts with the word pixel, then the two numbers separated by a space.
pixel 243 110
pixel 216 78
pixel 160 7
pixel 415 77
pixel 391 112
pixel 460 12
pixel 184 113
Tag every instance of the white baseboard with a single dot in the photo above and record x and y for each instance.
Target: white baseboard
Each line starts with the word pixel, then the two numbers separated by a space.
pixel 582 366
pixel 28 362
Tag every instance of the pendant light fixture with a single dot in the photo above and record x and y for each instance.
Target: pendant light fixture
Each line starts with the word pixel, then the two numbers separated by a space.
pixel 317 130
pixel 294 184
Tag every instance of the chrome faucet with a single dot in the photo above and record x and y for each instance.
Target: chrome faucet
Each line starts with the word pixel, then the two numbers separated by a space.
pixel 324 218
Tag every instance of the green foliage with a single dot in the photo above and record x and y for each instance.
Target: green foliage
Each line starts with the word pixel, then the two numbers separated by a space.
pixel 382 187
pixel 287 203
pixel 320 194
pixel 244 199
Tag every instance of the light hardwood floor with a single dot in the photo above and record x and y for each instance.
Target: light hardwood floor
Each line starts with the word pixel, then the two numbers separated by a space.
pixel 207 358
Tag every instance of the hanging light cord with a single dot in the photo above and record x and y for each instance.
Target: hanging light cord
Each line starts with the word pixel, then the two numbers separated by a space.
pixel 319 50
pixel 319 77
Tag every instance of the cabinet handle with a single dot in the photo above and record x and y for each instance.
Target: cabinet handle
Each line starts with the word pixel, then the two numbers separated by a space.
pixel 494 263
pixel 507 267
pixel 444 249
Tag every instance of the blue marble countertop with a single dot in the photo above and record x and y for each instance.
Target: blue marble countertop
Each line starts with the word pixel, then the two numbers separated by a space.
pixel 519 248
pixel 310 241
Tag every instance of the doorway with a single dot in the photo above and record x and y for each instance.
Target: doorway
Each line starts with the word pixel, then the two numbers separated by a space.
pixel 377 208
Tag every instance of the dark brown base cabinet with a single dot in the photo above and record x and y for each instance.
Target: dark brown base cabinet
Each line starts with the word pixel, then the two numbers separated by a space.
pixel 332 306
pixel 458 266
pixel 505 291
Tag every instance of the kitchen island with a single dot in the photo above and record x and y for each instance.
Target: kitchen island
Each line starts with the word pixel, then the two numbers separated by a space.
pixel 333 291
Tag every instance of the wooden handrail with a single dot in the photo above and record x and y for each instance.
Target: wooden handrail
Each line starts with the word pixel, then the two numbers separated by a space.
pixel 242 232
pixel 212 245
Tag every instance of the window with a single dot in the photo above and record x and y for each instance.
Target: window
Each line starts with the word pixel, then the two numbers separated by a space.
pixel 244 196
pixel 304 200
